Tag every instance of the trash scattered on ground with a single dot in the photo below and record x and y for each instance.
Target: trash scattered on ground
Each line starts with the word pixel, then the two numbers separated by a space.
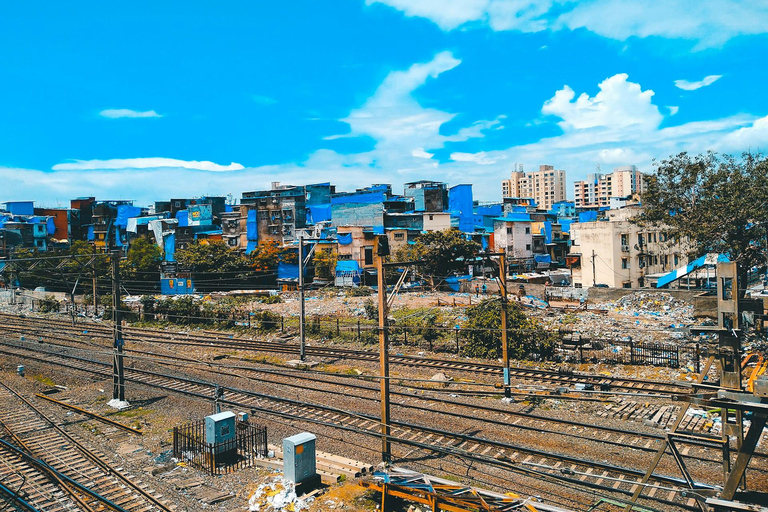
pixel 277 494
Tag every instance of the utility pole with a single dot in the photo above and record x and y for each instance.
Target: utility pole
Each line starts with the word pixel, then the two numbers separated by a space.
pixel 95 298
pixel 302 318
pixel 11 285
pixel 594 274
pixel 504 333
pixel 382 250
pixel 118 376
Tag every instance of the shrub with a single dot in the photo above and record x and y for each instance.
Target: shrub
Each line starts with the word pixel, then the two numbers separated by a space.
pixel 272 299
pixel 525 336
pixel 359 291
pixel 49 304
pixel 266 320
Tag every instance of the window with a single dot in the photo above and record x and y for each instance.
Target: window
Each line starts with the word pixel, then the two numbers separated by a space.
pixel 399 236
pixel 368 255
pixel 431 217
pixel 527 247
pixel 626 284
pixel 625 263
pixel 624 239
pixel 527 231
pixel 640 239
pixel 344 257
pixel 509 231
pixel 676 259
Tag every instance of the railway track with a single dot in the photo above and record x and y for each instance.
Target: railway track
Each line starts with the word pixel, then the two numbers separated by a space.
pixel 55 471
pixel 587 474
pixel 41 327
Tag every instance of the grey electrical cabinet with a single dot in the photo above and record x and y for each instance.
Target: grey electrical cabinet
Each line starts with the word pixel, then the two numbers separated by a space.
pixel 299 457
pixel 219 429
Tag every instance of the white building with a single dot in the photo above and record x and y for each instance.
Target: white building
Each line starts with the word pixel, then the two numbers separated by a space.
pixel 546 186
pixel 619 253
pixel 598 189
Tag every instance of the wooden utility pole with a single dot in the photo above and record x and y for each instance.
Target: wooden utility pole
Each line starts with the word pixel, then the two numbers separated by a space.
pixel 594 274
pixel 504 333
pixel 383 350
pixel 118 375
pixel 302 339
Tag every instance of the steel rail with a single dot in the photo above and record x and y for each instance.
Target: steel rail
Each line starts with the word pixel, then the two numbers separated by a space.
pixel 209 387
pixel 90 455
pixel 146 335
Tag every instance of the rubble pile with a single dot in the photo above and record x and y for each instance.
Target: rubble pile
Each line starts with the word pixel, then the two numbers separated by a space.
pixel 653 305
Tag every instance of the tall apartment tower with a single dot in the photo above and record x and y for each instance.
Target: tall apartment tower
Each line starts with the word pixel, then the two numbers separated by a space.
pixel 598 189
pixel 546 186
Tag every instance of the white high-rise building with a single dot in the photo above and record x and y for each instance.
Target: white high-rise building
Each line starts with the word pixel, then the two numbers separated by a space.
pixel 545 186
pixel 598 189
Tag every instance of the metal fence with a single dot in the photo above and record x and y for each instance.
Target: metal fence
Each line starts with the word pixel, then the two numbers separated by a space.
pixel 619 351
pixel 189 445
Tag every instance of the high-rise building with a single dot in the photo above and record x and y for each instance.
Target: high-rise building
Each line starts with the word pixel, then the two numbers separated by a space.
pixel 545 186
pixel 598 189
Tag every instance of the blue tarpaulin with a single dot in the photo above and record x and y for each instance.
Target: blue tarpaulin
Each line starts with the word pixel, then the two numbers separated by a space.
pixel 20 207
pixel 183 218
pixel 515 217
pixel 90 233
pixel 287 271
pixel 344 238
pixel 542 258
pixel 252 244
pixel 227 208
pixel 547 232
pixel 118 238
pixel 484 242
pixel 587 216
pixel 565 224
pixel 3 220
pixel 170 247
pixel 369 197
pixel 125 212
pixel 454 282
pixel 319 213
pixel 348 272
pixel 251 226
pixel 51 225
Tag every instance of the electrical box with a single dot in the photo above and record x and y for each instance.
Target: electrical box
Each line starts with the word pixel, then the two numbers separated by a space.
pixel 299 457
pixel 219 429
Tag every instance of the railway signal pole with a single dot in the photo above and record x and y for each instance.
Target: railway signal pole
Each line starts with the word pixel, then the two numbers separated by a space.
pixel 118 375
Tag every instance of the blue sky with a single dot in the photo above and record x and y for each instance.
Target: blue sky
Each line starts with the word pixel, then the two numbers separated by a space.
pixel 148 100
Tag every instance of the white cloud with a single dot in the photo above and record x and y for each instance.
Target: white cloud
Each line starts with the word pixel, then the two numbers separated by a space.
pixel 692 86
pixel 480 158
pixel 144 163
pixel 420 153
pixel 619 104
pixel 397 122
pixel 709 22
pixel 619 125
pixel 673 110
pixel 117 113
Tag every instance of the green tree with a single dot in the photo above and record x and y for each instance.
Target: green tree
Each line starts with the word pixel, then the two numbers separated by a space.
pixel 142 263
pixel 211 256
pixel 443 253
pixel 716 202
pixel 325 264
pixel 525 336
